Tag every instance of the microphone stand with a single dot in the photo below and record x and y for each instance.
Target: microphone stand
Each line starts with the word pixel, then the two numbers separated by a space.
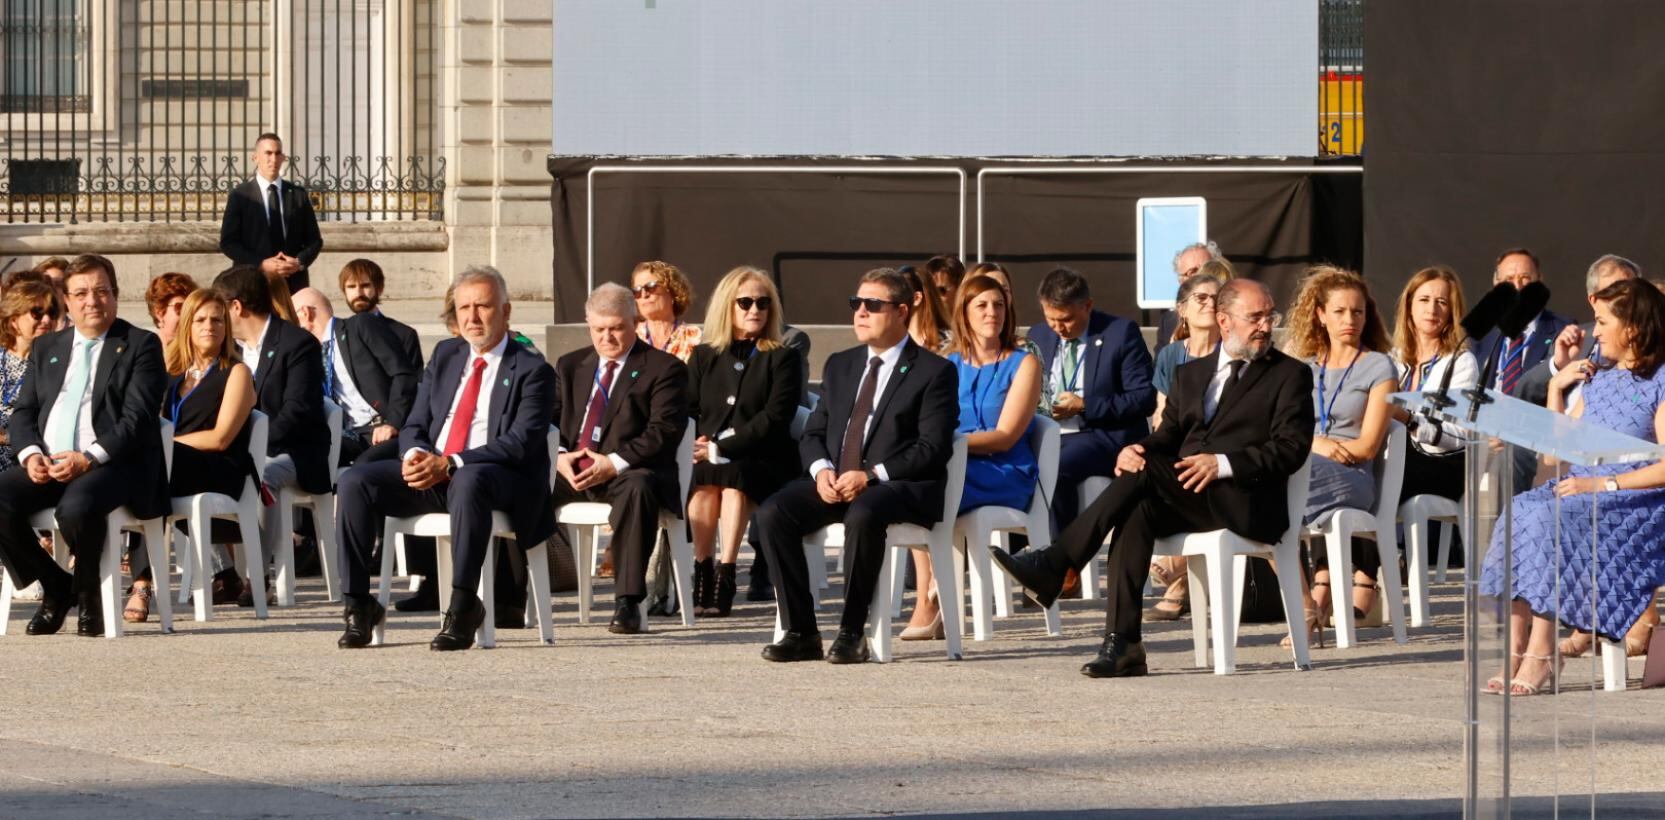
pixel 1477 395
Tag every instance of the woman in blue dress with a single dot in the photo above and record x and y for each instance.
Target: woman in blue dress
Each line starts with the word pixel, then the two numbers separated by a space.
pixel 1000 386
pixel 1552 578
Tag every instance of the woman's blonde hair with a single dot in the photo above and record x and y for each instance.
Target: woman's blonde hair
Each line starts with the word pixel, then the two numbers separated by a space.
pixel 719 314
pixel 670 276
pixel 1404 332
pixel 20 299
pixel 282 304
pixel 1306 338
pixel 964 341
pixel 180 352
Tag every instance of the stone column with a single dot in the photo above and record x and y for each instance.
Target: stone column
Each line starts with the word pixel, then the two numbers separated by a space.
pixel 495 105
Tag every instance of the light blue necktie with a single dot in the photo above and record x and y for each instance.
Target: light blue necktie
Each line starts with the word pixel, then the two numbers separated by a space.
pixel 66 420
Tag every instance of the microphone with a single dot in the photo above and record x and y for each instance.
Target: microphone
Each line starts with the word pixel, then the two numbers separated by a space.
pixel 1480 320
pixel 1532 300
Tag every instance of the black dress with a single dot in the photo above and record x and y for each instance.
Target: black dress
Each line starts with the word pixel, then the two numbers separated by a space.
pixel 199 471
pixel 744 401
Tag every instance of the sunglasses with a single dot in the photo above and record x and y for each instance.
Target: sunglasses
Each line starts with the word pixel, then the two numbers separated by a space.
pixel 645 289
pixel 39 313
pixel 872 305
pixel 746 302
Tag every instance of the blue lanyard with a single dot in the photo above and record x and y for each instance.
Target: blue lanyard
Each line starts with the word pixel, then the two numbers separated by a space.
pixel 1410 372
pixel 1324 409
pixel 178 400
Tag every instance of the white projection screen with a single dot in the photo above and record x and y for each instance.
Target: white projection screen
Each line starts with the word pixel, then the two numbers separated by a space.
pixel 935 77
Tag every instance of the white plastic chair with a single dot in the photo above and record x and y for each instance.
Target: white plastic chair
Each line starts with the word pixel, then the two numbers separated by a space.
pixel 1415 514
pixel 1378 524
pixel 109 565
pixel 282 545
pixel 583 518
pixel 901 540
pixel 1091 488
pixel 1207 556
pixel 200 509
pixel 976 530
pixel 438 526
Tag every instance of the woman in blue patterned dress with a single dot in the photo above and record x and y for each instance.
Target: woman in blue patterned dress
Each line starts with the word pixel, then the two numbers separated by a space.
pixel 1553 579
pixel 999 388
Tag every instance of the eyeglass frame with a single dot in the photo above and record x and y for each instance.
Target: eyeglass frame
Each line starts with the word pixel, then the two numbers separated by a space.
pixel 1274 317
pixel 860 302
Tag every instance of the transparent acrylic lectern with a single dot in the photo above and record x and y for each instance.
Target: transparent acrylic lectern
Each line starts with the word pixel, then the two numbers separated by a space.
pixel 1543 754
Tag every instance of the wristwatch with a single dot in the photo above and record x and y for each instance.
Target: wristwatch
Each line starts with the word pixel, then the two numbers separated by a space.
pixel 91 462
pixel 451 465
pixel 872 477
pixel 1610 484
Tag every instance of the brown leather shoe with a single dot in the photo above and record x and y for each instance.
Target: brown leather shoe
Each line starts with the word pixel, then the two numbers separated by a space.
pixel 227 588
pixel 1072 585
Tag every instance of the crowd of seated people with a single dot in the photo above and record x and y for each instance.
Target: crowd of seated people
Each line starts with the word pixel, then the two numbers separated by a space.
pixel 1203 435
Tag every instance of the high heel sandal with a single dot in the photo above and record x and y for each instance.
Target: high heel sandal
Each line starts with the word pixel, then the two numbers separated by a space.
pixel 1497 683
pixel 1520 687
pixel 137 610
pixel 1315 630
pixel 1576 645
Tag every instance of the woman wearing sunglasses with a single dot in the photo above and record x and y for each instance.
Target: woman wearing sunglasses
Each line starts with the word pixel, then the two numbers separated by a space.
pixel 745 385
pixel 28 311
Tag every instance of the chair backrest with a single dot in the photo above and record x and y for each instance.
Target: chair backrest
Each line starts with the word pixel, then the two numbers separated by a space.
pixel 953 490
pixel 334 419
pixel 1299 485
pixel 554 447
pixel 1046 440
pixel 1390 476
pixel 167 448
pixel 799 419
pixel 685 461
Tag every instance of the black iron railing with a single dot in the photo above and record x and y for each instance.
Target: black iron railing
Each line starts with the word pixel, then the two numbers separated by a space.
pixel 147 110
pixel 1341 77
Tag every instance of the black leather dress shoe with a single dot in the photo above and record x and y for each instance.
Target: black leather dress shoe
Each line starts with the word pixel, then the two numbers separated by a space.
pixel 49 618
pixel 510 617
pixel 461 620
pixel 848 647
pixel 1031 570
pixel 1117 658
pixel 426 599
pixel 795 646
pixel 362 616
pixel 627 619
pixel 89 616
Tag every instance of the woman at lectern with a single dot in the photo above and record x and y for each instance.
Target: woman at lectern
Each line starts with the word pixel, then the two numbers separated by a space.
pixel 1552 543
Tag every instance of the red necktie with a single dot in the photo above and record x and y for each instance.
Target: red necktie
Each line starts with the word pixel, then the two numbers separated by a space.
pixel 592 416
pixel 463 419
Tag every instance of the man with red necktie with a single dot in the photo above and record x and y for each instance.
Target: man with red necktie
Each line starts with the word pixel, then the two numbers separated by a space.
pixel 622 407
pixel 475 441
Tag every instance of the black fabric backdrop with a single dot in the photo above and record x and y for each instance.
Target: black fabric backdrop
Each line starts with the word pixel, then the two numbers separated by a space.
pixel 1496 123
pixel 817 232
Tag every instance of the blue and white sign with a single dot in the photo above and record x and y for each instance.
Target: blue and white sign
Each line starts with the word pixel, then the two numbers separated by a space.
pixel 1164 225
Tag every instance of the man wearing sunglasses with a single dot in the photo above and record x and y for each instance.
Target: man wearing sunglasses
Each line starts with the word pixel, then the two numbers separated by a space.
pixel 875 451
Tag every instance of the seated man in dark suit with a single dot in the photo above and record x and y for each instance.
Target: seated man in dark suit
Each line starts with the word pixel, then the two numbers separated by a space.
pixel 268 221
pixel 363 285
pixel 876 451
pixel 477 440
pixel 366 372
pixel 1098 376
pixel 1236 426
pixel 288 367
pixel 87 435
pixel 623 408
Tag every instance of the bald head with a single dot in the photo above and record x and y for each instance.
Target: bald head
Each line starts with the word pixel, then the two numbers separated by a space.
pixel 313 311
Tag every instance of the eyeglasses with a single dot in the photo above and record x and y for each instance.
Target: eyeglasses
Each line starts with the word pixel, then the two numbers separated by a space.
pixel 872 305
pixel 39 313
pixel 646 289
pixel 1202 299
pixel 1272 319
pixel 83 294
pixel 746 302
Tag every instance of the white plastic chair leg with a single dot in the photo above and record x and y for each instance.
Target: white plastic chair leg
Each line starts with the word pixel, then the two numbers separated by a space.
pixel 248 520
pixel 187 565
pixel 1416 564
pixel 443 574
pixel 109 572
pixel 486 636
pixel 1003 586
pixel 955 613
pixel 1090 579
pixel 948 595
pixel 537 603
pixel 202 555
pixel 1222 600
pixel 682 567
pixel 283 554
pixel 6 594
pixel 1294 604
pixel 983 584
pixel 1197 569
pixel 815 549
pixel 878 612
pixel 583 550
pixel 1614 670
pixel 1445 551
pixel 1338 542
pixel 329 555
pixel 898 580
pixel 1392 592
pixel 156 547
pixel 391 542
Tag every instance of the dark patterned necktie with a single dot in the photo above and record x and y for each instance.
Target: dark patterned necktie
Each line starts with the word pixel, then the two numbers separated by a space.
pixel 274 217
pixel 592 416
pixel 849 457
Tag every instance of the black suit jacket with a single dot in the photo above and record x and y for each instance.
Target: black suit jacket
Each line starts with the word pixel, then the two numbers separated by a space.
pixel 379 365
pixel 521 410
pixel 244 234
pixel 289 389
pixel 1263 426
pixel 756 397
pixel 409 342
pixel 1540 347
pixel 647 410
pixel 127 386
pixel 912 432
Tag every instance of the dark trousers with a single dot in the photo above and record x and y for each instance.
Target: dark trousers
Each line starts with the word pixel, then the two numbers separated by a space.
pixel 84 506
pixel 357 449
pixel 371 492
pixel 796 510
pixel 1080 456
pixel 635 522
pixel 1141 507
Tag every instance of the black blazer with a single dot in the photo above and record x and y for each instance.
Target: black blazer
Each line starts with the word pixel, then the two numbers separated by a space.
pixel 1263 426
pixel 647 410
pixel 378 365
pixel 521 410
pixel 127 387
pixel 409 342
pixel 243 230
pixel 289 389
pixel 912 432
pixel 756 397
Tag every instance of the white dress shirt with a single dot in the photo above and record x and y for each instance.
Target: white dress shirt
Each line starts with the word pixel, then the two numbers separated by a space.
pixel 479 427
pixel 251 352
pixel 84 435
pixel 358 410
pixel 265 186
pixel 1062 384
pixel 1211 402
pixel 887 365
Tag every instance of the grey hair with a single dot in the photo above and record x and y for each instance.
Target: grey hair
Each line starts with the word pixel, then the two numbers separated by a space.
pixel 1231 291
pixel 1592 277
pixel 611 299
pixel 1209 246
pixel 485 273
